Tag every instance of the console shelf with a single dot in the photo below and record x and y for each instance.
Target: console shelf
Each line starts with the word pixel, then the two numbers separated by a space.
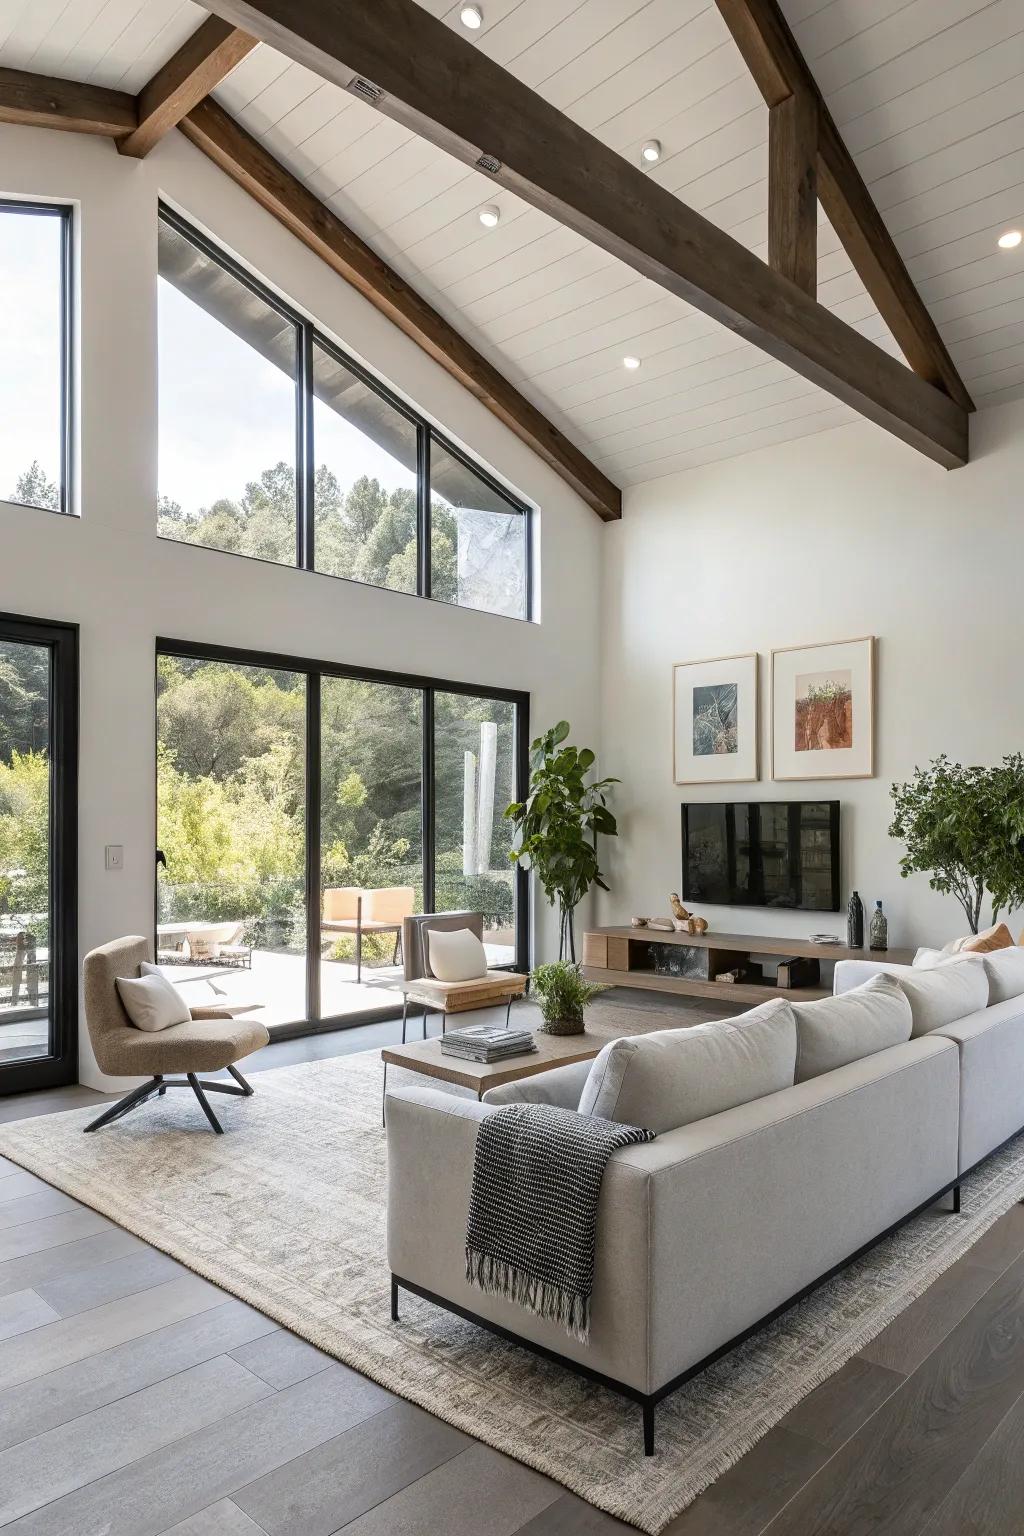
pixel 622 957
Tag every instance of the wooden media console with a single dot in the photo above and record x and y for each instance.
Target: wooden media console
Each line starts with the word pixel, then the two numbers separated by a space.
pixel 688 963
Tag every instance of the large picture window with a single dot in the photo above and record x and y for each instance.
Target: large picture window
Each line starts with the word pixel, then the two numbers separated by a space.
pixel 35 355
pixel 275 445
pixel 304 810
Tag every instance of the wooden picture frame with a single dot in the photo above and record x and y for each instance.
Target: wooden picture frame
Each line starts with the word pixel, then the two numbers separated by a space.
pixel 816 732
pixel 707 747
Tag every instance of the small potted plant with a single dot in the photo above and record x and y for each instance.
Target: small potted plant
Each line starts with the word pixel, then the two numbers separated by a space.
pixel 562 995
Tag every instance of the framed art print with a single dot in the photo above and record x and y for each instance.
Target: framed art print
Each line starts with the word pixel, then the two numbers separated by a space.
pixel 715 720
pixel 823 710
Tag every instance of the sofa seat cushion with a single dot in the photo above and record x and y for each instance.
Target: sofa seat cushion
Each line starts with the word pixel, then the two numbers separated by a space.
pixel 201 1045
pixel 1005 971
pixel 837 1030
pixel 673 1077
pixel 945 994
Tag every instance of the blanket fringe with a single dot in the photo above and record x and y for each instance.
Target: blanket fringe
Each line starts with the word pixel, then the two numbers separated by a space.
pixel 569 1308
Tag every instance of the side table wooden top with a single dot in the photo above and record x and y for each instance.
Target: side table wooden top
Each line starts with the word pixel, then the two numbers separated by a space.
pixel 426 1057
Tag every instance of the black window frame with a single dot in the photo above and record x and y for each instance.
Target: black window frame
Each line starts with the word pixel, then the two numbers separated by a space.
pixel 310 337
pixel 34 208
pixel 314 671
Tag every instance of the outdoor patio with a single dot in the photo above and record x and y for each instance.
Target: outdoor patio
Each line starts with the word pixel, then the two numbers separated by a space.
pixel 277 979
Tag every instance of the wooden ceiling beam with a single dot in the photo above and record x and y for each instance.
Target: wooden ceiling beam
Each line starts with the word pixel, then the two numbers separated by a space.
pixel 201 63
pixel 41 101
pixel 793 191
pixel 245 160
pixel 772 55
pixel 419 72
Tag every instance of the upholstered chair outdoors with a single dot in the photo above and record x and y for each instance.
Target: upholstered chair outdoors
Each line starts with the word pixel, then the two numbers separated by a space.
pixel 211 1041
pixel 421 986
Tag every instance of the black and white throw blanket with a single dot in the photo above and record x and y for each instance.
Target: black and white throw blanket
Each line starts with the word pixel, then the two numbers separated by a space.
pixel 533 1207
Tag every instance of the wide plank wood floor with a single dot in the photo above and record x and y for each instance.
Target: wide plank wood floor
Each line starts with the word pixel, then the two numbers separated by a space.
pixel 138 1399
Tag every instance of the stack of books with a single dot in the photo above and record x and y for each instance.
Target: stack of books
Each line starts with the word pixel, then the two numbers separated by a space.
pixel 487 1042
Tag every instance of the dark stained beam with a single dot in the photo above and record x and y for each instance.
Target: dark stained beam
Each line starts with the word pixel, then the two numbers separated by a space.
pixel 201 63
pixel 793 192
pixel 242 158
pixel 40 101
pixel 419 72
pixel 770 52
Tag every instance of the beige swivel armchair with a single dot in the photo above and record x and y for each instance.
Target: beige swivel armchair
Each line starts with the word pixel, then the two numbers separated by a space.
pixel 214 1039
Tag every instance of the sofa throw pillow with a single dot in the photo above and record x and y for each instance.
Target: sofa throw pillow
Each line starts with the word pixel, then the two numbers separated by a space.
pixel 837 1030
pixel 946 994
pixel 674 1076
pixel 996 937
pixel 929 959
pixel 456 954
pixel 1005 971
pixel 152 1002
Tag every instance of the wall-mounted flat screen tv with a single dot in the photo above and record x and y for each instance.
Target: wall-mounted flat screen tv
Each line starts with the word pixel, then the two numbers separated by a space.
pixel 764 853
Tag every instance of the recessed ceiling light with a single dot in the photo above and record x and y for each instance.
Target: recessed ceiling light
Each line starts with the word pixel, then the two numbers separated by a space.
pixel 472 17
pixel 631 363
pixel 490 215
pixel 1011 239
pixel 651 151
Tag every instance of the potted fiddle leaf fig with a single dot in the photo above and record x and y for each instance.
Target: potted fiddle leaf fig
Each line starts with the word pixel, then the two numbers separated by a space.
pixel 558 825
pixel 563 995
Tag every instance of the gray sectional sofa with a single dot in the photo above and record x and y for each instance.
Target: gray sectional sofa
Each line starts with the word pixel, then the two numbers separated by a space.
pixel 789 1141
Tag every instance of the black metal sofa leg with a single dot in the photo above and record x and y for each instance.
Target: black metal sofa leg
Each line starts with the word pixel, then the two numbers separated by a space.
pixel 127 1104
pixel 956 1199
pixel 648 1409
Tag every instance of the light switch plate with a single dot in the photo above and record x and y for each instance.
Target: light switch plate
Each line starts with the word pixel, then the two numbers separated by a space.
pixel 114 856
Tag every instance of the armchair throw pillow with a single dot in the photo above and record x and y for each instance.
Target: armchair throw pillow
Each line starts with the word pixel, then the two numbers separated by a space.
pixel 456 954
pixel 152 1002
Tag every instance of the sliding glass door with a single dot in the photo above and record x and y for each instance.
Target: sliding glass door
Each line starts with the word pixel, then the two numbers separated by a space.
pixel 371 838
pixel 474 780
pixel 38 838
pixel 304 810
pixel 231 766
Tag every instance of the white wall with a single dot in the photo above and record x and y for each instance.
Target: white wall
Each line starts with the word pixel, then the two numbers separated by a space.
pixel 110 574
pixel 842 534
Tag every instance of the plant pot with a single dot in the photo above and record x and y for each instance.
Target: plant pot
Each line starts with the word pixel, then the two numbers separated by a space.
pixel 563 1027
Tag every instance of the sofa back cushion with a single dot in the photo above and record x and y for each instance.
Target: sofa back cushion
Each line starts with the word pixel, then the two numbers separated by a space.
pixel 675 1076
pixel 946 994
pixel 1005 971
pixel 837 1030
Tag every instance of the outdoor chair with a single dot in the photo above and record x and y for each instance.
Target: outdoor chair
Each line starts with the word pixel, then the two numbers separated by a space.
pixel 23 963
pixel 349 909
pixel 214 1039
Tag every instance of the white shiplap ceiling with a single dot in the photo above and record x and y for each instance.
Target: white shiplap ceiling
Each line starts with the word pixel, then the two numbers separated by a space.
pixel 927 94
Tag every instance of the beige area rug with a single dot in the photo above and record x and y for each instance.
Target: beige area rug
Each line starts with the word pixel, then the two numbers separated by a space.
pixel 286 1211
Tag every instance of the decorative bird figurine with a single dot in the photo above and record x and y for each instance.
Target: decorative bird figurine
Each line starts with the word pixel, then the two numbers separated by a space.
pixel 678 910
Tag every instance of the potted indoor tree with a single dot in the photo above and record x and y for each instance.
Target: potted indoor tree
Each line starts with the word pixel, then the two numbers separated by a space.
pixel 558 826
pixel 562 995
pixel 964 829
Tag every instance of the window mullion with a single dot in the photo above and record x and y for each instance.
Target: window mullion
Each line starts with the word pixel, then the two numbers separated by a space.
pixel 423 531
pixel 305 494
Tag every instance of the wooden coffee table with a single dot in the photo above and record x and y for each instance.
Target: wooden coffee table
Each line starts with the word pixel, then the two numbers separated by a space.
pixel 426 1057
